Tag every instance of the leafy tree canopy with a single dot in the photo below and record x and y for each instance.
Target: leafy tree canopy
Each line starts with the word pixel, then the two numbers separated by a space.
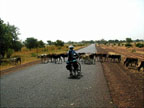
pixel 128 40
pixel 31 43
pixel 41 44
pixel 59 43
pixel 8 35
pixel 50 42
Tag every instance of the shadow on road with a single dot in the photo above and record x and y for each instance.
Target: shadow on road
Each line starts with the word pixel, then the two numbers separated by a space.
pixel 75 77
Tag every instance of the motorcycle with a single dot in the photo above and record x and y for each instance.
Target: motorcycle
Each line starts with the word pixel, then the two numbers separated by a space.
pixel 75 69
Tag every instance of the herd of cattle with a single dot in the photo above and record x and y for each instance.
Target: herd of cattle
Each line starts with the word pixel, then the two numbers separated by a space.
pixel 91 58
pixel 85 58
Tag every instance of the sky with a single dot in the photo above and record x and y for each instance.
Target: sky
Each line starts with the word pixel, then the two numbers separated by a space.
pixel 75 20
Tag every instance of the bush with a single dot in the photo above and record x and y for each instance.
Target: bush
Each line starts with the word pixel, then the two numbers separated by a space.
pixel 114 44
pixel 119 44
pixel 139 45
pixel 33 55
pixel 133 51
pixel 59 43
pixel 59 47
pixel 128 45
pixel 105 43
pixel 9 52
pixel 45 50
pixel 52 48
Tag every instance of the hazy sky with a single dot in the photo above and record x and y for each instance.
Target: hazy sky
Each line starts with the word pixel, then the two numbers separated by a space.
pixel 75 20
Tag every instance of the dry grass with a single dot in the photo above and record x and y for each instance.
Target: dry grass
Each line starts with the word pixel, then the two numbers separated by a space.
pixel 121 49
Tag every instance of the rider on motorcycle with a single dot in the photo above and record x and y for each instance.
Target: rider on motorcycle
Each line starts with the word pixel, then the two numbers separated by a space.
pixel 72 56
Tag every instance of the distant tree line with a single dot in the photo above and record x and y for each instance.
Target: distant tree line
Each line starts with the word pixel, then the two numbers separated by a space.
pixel 56 43
pixel 127 42
pixel 34 43
pixel 102 41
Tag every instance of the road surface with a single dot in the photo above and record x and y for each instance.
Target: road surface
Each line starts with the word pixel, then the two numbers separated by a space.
pixel 48 85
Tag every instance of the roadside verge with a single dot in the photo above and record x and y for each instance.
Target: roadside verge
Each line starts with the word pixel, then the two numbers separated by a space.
pixel 13 69
pixel 126 87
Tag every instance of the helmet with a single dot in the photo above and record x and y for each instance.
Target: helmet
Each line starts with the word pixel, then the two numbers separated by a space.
pixel 71 47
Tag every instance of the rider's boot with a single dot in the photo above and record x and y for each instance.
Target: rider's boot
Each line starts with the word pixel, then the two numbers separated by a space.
pixel 71 74
pixel 79 74
pixel 74 73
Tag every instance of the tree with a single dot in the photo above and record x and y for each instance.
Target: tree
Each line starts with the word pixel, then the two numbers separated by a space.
pixel 41 44
pixel 8 34
pixel 17 45
pixel 140 45
pixel 59 43
pixel 139 40
pixel 3 39
pixel 111 41
pixel 9 52
pixel 102 41
pixel 49 42
pixel 128 45
pixel 116 41
pixel 91 41
pixel 31 43
pixel 70 42
pixel 128 40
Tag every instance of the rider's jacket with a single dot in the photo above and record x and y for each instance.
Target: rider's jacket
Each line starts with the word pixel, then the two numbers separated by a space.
pixel 71 55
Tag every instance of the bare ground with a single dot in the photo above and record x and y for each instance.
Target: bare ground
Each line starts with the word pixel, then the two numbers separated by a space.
pixel 126 86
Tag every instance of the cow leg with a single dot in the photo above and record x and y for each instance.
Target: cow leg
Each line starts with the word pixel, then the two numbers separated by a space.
pixel 139 68
pixel 100 58
pixel 127 64
pixel 41 60
pixel 110 59
pixel 61 59
pixel 51 59
pixel 55 60
pixel 64 59
pixel 131 64
pixel 94 61
pixel 136 63
pixel 118 60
